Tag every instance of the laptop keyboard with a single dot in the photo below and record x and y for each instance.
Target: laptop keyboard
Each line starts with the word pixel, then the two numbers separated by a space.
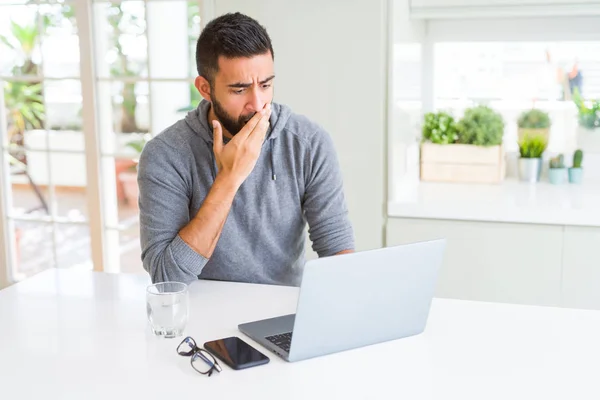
pixel 283 340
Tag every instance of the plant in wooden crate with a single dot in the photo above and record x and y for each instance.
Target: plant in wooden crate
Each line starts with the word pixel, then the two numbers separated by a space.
pixel 576 171
pixel 531 149
pixel 588 131
pixel 469 151
pixel 534 123
pixel 440 128
pixel 481 126
pixel 557 171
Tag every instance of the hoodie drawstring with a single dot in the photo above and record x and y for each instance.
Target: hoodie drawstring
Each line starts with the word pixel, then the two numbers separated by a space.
pixel 213 164
pixel 272 159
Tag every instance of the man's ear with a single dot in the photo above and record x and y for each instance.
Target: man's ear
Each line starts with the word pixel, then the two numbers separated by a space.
pixel 203 87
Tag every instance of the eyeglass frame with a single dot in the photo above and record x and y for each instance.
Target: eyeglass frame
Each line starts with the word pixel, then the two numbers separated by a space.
pixel 203 354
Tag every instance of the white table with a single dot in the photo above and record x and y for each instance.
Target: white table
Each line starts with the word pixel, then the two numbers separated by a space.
pixel 83 335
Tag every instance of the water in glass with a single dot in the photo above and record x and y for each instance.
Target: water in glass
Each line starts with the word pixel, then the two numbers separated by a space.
pixel 167 308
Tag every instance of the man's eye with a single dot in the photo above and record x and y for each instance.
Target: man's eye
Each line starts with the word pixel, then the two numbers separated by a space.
pixel 239 91
pixel 266 85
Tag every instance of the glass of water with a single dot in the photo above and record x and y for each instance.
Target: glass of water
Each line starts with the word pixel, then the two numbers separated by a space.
pixel 167 305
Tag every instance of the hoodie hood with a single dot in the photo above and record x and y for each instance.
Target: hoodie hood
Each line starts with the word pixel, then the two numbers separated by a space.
pixel 197 120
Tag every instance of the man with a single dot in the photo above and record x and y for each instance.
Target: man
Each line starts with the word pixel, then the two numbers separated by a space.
pixel 226 192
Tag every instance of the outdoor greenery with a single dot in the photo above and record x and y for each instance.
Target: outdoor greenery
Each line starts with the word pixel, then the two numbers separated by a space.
pixel 589 115
pixel 23 100
pixel 195 99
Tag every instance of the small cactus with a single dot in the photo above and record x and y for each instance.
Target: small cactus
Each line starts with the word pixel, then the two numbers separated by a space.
pixel 557 162
pixel 577 159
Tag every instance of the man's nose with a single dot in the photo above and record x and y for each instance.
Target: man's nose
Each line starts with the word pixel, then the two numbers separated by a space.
pixel 256 102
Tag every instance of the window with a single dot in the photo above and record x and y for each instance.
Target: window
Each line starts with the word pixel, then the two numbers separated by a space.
pixel 139 90
pixel 514 76
pixel 509 64
pixel 408 105
pixel 42 144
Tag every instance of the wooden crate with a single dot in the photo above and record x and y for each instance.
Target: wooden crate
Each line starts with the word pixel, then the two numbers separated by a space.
pixel 461 163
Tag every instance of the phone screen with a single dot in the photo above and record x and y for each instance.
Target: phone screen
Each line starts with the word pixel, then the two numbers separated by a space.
pixel 236 353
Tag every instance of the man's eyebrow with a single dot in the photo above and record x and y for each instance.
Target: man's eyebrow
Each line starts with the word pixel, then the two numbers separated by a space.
pixel 246 85
pixel 267 80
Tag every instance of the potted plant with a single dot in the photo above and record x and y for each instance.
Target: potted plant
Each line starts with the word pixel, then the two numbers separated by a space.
pixel 469 151
pixel 531 149
pixel 557 171
pixel 481 126
pixel 588 130
pixel 534 123
pixel 439 128
pixel 576 171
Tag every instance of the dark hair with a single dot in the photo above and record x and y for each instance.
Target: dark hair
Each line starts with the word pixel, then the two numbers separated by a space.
pixel 231 36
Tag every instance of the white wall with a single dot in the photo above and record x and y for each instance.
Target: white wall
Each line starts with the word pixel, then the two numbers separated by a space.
pixel 330 62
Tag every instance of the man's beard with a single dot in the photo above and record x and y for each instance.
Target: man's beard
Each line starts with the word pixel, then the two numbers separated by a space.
pixel 232 125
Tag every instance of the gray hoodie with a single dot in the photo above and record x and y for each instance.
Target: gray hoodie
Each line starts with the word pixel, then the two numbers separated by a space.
pixel 296 180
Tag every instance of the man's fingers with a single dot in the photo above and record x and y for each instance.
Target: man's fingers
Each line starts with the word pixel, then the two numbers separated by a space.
pixel 217 137
pixel 260 132
pixel 250 125
pixel 263 123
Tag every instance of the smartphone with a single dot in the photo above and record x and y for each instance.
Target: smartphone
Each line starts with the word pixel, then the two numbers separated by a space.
pixel 236 353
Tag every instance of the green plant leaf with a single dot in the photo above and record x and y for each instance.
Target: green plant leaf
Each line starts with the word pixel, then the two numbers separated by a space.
pixel 439 128
pixel 24 104
pixel 533 146
pixel 26 35
pixel 5 40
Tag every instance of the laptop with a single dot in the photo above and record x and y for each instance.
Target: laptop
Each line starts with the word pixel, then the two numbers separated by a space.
pixel 355 300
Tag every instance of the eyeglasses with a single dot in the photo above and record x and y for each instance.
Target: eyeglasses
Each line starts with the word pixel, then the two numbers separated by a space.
pixel 202 361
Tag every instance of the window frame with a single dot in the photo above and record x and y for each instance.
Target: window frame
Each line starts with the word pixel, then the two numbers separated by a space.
pixel 103 252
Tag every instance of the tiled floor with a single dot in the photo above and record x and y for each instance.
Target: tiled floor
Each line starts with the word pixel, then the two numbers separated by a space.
pixel 36 251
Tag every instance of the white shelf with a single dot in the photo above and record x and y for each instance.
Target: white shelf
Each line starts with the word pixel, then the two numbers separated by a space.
pixel 511 201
